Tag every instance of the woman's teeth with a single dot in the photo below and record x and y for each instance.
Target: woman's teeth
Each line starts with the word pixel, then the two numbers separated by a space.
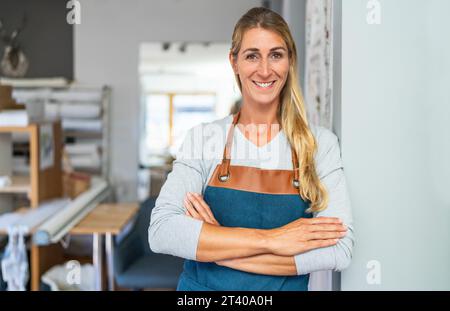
pixel 261 84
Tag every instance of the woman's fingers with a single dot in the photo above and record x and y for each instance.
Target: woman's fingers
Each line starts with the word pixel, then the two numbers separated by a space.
pixel 328 227
pixel 204 205
pixel 187 212
pixel 323 235
pixel 201 208
pixel 322 220
pixel 191 210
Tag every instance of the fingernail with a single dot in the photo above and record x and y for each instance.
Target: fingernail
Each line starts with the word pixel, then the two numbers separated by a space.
pixel 189 194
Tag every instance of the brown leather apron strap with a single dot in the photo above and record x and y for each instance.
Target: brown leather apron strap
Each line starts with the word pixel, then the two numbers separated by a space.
pixel 224 172
pixel 224 168
pixel 295 182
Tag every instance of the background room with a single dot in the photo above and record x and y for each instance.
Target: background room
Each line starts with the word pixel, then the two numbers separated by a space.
pixel 96 97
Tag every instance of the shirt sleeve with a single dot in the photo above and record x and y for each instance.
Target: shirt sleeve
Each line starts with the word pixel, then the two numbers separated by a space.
pixel 331 173
pixel 171 231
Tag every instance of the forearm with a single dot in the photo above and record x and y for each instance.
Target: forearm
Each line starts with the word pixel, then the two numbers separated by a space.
pixel 220 243
pixel 336 258
pixel 267 264
pixel 216 243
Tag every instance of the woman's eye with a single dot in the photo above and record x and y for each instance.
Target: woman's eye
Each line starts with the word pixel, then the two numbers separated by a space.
pixel 277 55
pixel 251 57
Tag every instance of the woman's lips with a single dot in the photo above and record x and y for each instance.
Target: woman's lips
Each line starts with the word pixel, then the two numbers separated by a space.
pixel 264 85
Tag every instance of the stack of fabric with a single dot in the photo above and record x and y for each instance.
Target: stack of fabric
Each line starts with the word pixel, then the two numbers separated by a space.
pixel 11 113
pixel 83 155
pixel 80 111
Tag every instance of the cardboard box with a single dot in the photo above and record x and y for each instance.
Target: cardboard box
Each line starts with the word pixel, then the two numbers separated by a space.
pixel 5 92
pixel 75 183
pixel 6 100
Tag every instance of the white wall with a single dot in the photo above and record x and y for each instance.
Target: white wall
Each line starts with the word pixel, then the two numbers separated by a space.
pixel 107 52
pixel 395 122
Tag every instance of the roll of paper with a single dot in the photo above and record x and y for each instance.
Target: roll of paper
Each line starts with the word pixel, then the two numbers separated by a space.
pixel 59 225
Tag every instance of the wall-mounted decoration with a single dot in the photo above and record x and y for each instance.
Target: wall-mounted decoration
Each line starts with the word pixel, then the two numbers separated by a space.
pixel 318 64
pixel 13 63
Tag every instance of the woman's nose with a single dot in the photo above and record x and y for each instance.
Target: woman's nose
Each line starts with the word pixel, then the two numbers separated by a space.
pixel 264 68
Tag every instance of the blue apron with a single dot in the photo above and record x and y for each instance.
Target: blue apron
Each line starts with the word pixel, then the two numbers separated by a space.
pixel 248 197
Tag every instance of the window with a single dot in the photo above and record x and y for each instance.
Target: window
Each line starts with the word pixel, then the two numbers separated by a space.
pixel 168 116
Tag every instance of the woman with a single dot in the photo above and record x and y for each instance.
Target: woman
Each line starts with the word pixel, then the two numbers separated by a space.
pixel 269 206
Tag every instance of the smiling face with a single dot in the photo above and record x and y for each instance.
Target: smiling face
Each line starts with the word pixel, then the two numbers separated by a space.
pixel 262 65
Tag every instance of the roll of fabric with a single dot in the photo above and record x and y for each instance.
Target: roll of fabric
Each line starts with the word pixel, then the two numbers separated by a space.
pixel 89 161
pixel 88 111
pixel 78 95
pixel 14 118
pixel 81 149
pixel 82 125
pixel 72 110
pixel 26 95
pixel 58 226
pixel 35 82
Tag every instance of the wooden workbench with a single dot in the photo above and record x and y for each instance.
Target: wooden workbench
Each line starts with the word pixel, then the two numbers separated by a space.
pixel 105 220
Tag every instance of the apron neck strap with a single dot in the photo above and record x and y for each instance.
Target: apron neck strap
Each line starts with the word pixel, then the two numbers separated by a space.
pixel 224 169
pixel 295 166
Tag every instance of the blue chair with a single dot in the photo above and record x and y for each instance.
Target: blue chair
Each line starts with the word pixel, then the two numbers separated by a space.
pixel 2 282
pixel 136 266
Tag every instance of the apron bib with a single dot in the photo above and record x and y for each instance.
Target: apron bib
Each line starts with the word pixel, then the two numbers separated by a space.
pixel 248 197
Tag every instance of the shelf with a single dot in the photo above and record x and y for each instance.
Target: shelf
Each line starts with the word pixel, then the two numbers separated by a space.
pixel 26 128
pixel 20 184
pixel 11 129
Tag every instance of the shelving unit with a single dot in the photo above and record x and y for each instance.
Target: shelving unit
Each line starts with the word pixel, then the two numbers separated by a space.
pixel 103 135
pixel 39 186
pixel 49 95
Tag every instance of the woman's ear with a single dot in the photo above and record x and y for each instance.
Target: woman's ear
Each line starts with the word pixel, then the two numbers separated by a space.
pixel 233 63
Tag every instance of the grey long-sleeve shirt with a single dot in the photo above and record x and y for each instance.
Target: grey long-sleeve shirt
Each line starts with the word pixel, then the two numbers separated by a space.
pixel 174 233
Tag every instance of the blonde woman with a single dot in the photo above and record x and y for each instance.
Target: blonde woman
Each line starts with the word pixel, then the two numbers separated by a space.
pixel 257 200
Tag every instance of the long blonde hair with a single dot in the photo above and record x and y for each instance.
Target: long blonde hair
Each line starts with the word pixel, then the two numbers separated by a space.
pixel 291 110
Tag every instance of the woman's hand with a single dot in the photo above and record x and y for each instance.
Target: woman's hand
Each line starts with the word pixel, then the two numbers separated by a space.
pixel 305 234
pixel 197 208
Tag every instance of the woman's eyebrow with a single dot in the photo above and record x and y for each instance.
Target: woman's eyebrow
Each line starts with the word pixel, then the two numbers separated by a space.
pixel 278 48
pixel 257 50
